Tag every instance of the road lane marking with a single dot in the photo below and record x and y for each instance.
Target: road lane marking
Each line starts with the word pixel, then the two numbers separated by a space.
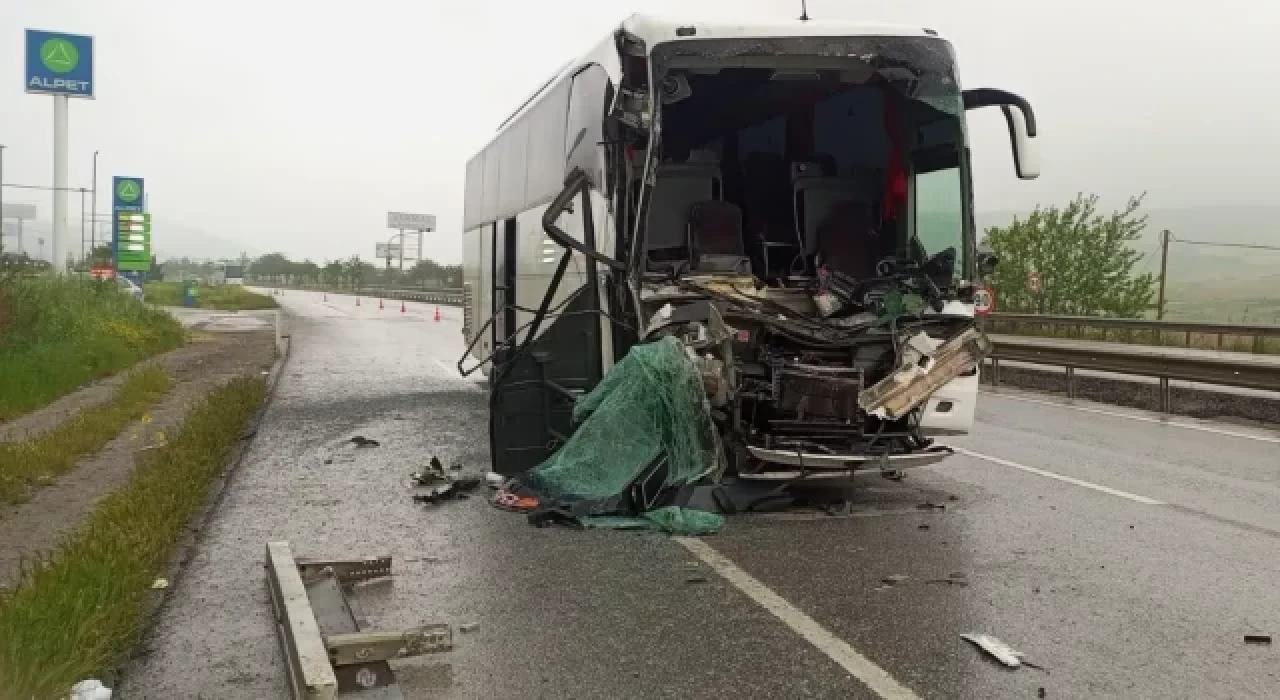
pixel 838 650
pixel 1144 419
pixel 1060 477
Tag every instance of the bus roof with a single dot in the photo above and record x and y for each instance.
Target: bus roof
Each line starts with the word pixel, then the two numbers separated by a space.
pixel 654 30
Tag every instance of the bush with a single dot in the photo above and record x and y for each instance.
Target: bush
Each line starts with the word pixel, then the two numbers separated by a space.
pixel 58 334
pixel 224 297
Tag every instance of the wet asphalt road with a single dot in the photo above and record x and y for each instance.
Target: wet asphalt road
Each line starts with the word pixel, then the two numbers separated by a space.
pixel 1125 556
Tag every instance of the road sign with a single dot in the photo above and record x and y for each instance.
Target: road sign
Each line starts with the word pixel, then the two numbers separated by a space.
pixel 984 300
pixel 386 251
pixel 1034 283
pixel 59 64
pixel 411 222
pixel 131 226
pixel 18 210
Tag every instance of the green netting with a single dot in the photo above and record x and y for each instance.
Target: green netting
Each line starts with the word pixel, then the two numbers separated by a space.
pixel 671 520
pixel 652 401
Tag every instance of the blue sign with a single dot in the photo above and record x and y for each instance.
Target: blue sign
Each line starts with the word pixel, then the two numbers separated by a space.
pixel 130 224
pixel 59 64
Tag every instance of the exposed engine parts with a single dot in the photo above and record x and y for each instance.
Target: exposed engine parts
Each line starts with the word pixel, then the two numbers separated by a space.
pixel 832 372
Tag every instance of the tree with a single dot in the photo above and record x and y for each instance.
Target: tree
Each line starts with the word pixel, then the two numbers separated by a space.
pixel 1084 259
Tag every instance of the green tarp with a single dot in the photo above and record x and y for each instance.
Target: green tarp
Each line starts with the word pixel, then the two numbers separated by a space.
pixel 651 402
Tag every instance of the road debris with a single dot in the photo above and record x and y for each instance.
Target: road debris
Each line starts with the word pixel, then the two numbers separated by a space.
pixel 696 578
pixel 928 505
pixel 997 649
pixel 894 579
pixel 1260 639
pixel 92 689
pixel 160 584
pixel 362 441
pixel 468 627
pixel 955 579
pixel 494 480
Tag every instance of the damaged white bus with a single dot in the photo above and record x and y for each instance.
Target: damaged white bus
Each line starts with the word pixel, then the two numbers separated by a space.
pixel 792 201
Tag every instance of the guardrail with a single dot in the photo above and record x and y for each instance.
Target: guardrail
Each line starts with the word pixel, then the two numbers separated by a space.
pixel 1157 331
pixel 1242 370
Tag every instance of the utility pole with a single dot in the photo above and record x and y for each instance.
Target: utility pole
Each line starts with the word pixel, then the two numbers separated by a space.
pixel 1164 272
pixel 2 204
pixel 93 219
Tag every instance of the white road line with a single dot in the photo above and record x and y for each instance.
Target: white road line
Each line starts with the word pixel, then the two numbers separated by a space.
pixel 1054 475
pixel 1144 419
pixel 838 650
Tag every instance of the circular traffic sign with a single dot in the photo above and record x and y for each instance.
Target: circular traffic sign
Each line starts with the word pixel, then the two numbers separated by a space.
pixel 59 55
pixel 984 300
pixel 1035 283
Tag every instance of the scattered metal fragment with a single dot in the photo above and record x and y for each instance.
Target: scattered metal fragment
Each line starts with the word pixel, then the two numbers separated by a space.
pixel 1262 639
pixel 696 578
pixel 468 627
pixel 922 526
pixel 494 480
pixel 1040 693
pixel 362 441
pixel 929 505
pixel 894 579
pixel 997 649
pixel 955 579
pixel 447 489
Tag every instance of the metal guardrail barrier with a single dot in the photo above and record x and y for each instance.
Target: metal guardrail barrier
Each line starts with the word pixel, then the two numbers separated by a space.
pixel 1242 370
pixel 1010 322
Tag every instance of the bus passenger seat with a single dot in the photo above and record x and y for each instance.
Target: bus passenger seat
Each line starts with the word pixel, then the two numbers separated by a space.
pixel 715 237
pixel 847 239
pixel 677 186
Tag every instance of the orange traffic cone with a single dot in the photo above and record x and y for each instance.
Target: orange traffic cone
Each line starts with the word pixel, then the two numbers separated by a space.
pixel 402 309
pixel 437 317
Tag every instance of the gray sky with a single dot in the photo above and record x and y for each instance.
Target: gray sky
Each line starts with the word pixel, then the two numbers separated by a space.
pixel 279 125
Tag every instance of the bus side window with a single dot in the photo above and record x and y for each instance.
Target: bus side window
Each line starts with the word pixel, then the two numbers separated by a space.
pixel 584 129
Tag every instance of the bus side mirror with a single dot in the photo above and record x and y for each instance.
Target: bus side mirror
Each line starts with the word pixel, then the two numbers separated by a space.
pixel 1022 126
pixel 1026 154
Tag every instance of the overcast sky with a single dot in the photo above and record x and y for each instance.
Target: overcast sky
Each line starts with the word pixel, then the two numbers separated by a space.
pixel 294 126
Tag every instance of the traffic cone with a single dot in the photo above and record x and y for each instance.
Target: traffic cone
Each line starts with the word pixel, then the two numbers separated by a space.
pixel 402 309
pixel 437 317
pixel 379 303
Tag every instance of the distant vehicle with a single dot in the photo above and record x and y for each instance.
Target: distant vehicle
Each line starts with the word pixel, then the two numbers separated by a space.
pixel 128 287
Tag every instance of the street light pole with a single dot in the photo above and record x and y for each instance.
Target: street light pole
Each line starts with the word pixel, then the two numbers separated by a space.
pixel 93 219
pixel 2 201
pixel 82 193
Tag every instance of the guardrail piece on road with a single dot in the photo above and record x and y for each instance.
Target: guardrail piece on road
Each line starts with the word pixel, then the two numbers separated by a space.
pixel 327 655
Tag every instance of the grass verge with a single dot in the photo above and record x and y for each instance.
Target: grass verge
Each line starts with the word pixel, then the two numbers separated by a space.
pixel 28 464
pixel 76 615
pixel 224 297
pixel 57 335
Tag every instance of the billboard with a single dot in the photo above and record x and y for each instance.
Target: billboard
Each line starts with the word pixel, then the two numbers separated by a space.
pixel 411 222
pixel 18 210
pixel 59 64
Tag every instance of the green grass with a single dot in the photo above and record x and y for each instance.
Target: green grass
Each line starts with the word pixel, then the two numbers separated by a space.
pixel 79 613
pixel 57 335
pixel 32 463
pixel 223 297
